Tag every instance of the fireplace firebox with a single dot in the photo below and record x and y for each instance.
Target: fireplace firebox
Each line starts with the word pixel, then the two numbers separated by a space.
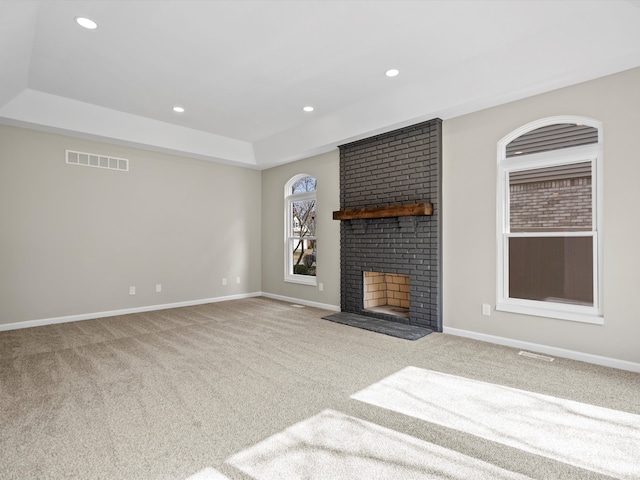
pixel 387 293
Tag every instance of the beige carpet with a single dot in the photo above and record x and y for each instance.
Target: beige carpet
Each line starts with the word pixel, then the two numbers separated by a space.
pixel 259 389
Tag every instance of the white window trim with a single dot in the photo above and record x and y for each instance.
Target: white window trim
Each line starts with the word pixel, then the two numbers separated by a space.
pixel 289 198
pixel 585 314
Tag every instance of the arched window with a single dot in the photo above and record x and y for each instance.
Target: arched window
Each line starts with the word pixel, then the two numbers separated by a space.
pixel 550 220
pixel 300 230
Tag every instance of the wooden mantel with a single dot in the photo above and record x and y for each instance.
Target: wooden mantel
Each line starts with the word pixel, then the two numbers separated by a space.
pixel 413 209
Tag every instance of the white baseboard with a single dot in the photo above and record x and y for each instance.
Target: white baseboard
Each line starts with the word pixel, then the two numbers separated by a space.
pixel 558 352
pixel 125 311
pixel 324 306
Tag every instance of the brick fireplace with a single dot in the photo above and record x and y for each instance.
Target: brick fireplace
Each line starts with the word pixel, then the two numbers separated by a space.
pixel 397 169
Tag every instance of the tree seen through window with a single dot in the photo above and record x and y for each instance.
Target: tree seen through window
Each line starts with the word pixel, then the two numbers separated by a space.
pixel 301 228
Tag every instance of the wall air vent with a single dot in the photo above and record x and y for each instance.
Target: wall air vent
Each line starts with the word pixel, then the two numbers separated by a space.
pixel 98 161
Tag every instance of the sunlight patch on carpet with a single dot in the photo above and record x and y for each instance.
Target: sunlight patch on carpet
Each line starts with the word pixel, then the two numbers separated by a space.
pixel 595 438
pixel 207 474
pixel 334 445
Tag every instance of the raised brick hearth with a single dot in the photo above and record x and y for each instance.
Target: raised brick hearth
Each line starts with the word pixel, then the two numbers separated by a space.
pixel 396 168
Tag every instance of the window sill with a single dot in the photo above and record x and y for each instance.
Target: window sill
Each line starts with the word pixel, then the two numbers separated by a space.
pixel 302 279
pixel 571 315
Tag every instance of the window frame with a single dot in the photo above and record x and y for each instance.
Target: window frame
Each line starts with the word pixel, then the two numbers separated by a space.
pixel 593 153
pixel 289 199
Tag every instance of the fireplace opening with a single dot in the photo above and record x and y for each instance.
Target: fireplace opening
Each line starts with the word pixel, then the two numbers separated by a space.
pixel 387 293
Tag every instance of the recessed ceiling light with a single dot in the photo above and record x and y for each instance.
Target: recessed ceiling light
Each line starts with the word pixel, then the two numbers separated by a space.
pixel 519 152
pixel 308 108
pixel 86 23
pixel 178 109
pixel 392 73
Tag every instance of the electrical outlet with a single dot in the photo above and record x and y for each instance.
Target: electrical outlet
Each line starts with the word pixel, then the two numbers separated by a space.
pixel 238 280
pixel 224 281
pixel 321 286
pixel 132 290
pixel 158 288
pixel 486 309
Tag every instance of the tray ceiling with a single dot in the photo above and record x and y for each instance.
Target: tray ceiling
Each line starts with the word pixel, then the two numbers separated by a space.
pixel 244 70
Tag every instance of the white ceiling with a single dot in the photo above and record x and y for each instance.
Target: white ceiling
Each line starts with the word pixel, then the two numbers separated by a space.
pixel 243 70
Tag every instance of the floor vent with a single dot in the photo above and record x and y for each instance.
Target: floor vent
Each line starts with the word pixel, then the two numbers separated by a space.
pixel 98 161
pixel 535 355
pixel 297 306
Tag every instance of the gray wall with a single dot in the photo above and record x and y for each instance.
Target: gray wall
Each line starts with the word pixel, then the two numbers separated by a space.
pixel 469 218
pixel 326 169
pixel 73 238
